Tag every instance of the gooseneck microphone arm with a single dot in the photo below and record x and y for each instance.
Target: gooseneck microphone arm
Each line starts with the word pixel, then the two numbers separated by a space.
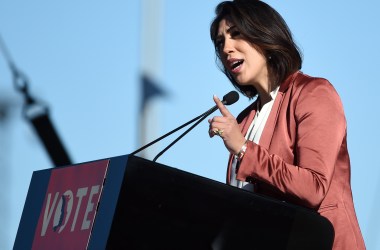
pixel 169 133
pixel 228 99
pixel 212 110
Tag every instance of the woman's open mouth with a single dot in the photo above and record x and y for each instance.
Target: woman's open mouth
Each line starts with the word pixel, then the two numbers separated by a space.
pixel 235 65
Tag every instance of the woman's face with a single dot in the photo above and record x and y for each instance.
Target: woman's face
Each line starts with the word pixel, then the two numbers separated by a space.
pixel 245 63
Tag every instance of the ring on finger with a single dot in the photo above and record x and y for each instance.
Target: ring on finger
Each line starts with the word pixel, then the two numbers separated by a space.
pixel 218 132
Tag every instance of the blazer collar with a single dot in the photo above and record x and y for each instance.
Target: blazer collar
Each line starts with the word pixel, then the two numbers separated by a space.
pixel 250 112
pixel 270 125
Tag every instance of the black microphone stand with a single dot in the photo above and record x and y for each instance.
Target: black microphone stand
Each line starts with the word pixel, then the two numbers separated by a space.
pixel 203 116
pixel 173 131
pixel 228 99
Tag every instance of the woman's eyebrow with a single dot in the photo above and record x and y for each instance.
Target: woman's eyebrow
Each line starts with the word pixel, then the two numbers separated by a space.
pixel 220 36
pixel 231 28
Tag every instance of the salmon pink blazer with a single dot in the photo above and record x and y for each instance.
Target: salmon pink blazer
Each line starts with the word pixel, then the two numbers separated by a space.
pixel 302 156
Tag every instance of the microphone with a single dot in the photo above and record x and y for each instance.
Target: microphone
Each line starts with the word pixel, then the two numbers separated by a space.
pixel 228 99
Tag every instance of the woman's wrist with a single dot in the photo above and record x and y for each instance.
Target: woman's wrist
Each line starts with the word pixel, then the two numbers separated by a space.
pixel 240 154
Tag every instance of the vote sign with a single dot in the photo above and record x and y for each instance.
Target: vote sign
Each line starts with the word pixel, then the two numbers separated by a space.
pixel 70 205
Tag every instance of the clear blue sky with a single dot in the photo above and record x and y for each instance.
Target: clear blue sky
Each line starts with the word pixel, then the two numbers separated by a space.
pixel 83 61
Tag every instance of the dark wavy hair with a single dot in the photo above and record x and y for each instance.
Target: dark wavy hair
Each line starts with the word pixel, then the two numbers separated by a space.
pixel 266 30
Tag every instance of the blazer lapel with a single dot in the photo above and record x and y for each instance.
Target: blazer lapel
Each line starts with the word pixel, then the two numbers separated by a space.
pixel 270 125
pixel 244 125
pixel 266 136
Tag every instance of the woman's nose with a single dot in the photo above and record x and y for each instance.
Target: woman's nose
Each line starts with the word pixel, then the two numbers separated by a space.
pixel 228 46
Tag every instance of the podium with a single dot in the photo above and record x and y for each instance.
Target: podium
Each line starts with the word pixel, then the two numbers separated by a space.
pixel 128 202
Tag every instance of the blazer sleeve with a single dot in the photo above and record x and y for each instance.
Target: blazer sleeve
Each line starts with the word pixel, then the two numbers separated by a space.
pixel 320 128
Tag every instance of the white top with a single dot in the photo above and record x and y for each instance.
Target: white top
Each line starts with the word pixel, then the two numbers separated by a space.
pixel 253 134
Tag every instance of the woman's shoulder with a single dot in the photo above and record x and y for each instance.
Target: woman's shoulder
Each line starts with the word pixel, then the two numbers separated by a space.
pixel 313 91
pixel 302 80
pixel 306 84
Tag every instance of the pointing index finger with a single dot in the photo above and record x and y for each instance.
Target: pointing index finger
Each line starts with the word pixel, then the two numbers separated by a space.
pixel 223 110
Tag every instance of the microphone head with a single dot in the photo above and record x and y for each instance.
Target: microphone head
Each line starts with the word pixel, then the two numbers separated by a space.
pixel 230 98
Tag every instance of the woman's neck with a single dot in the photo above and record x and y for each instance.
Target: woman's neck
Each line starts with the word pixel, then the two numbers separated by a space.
pixel 264 91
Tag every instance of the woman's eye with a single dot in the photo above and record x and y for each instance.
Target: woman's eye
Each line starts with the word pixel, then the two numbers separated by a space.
pixel 235 33
pixel 219 44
